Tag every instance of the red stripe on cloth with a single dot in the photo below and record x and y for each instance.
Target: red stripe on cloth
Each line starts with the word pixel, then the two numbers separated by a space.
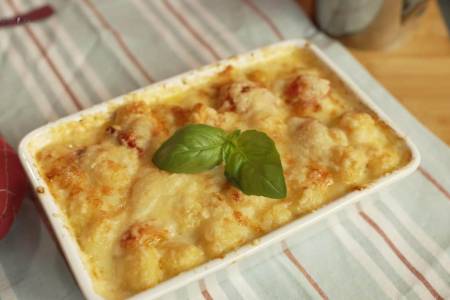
pixel 189 27
pixel 204 290
pixel 52 66
pixel 206 295
pixel 400 255
pixel 119 40
pixel 434 182
pixel 305 273
pixel 265 18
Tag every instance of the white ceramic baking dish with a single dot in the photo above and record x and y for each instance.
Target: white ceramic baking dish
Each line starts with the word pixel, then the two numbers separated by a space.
pixel 42 136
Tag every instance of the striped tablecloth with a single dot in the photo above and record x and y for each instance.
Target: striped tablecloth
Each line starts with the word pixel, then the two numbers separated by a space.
pixel 394 244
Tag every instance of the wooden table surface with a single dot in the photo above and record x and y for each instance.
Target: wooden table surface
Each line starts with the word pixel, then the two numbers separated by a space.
pixel 416 70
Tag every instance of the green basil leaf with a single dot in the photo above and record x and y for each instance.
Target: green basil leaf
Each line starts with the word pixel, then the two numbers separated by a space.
pixel 192 149
pixel 229 147
pixel 252 164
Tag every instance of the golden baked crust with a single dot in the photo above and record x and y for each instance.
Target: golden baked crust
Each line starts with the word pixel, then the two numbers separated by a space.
pixel 138 225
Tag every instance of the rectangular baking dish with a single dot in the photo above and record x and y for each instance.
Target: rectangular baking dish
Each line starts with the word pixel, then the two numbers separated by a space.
pixel 40 137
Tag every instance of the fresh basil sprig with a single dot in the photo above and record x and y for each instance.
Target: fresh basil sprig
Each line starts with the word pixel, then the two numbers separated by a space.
pixel 252 162
pixel 192 149
pixel 253 165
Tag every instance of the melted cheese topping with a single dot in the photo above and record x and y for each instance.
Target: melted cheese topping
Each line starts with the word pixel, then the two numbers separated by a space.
pixel 138 225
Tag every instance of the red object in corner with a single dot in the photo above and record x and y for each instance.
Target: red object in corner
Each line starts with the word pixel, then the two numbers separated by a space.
pixel 13 186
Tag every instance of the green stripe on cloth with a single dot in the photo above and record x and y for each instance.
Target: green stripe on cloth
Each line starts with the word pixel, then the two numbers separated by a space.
pixel 439 259
pixel 325 268
pixel 395 274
